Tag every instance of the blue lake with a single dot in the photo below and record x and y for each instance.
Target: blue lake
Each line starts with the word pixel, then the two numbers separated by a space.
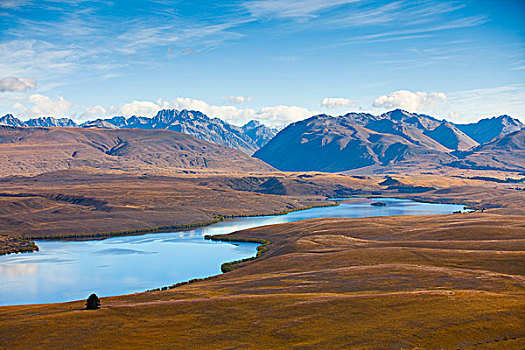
pixel 68 270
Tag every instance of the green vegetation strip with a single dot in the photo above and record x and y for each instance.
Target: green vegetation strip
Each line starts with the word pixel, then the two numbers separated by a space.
pixel 261 249
pixel 26 247
pixel 156 229
pixel 140 231
pixel 228 266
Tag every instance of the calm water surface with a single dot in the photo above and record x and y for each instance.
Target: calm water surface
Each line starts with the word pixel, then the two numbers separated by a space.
pixel 68 270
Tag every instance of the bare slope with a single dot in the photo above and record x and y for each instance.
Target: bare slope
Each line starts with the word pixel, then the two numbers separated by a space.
pixel 504 152
pixel 37 150
pixel 326 143
pixel 397 142
pixel 487 129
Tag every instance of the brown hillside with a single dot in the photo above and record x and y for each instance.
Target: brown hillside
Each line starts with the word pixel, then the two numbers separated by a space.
pixel 38 150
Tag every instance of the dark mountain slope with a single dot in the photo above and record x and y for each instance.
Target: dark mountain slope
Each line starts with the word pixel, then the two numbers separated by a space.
pixel 397 141
pixel 418 129
pixel 328 143
pixel 506 152
pixel 451 137
pixel 487 129
pixel 259 133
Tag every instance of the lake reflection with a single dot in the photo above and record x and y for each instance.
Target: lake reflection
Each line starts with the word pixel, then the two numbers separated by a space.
pixel 69 270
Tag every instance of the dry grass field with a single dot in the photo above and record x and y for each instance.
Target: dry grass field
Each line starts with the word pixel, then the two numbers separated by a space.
pixel 452 281
pixel 82 203
pixel 38 150
pixel 438 282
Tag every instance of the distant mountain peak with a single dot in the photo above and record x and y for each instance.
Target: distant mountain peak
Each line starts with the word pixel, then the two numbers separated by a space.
pixel 98 123
pixel 252 124
pixel 508 120
pixel 488 129
pixel 260 133
pixel 10 120
pixel 397 114
pixel 47 122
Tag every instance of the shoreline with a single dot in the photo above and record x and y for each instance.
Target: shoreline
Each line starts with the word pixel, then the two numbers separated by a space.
pixel 228 266
pixel 142 231
pixel 262 248
pixel 293 280
pixel 29 247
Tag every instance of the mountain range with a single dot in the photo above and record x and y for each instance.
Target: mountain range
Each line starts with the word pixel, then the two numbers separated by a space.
pixel 247 138
pixel 396 139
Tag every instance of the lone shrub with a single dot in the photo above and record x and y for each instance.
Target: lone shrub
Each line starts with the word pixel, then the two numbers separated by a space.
pixel 93 302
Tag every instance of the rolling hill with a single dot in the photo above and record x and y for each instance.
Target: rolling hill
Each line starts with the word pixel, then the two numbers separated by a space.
pixel 37 150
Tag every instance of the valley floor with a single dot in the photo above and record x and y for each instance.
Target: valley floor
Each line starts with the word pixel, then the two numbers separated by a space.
pixel 448 281
pixel 84 204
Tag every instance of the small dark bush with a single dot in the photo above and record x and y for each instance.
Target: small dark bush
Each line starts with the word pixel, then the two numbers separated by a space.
pixel 93 302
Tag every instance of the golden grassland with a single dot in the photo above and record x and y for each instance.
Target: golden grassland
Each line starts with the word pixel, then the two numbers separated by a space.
pixel 39 150
pixel 447 281
pixel 81 204
pixel 88 203
pixel 432 282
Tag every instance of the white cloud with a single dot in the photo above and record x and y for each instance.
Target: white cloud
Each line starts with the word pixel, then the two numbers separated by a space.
pixel 141 108
pixel 13 4
pixel 336 102
pixel 411 101
pixel 12 84
pixel 41 105
pixel 231 114
pixel 236 100
pixel 291 9
pixel 37 58
pixel 461 106
pixel 273 115
pixel 454 116
pixel 51 49
pixel 465 22
pixel 283 115
pixel 93 112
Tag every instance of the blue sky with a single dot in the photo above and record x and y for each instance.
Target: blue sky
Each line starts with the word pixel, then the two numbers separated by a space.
pixel 273 60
